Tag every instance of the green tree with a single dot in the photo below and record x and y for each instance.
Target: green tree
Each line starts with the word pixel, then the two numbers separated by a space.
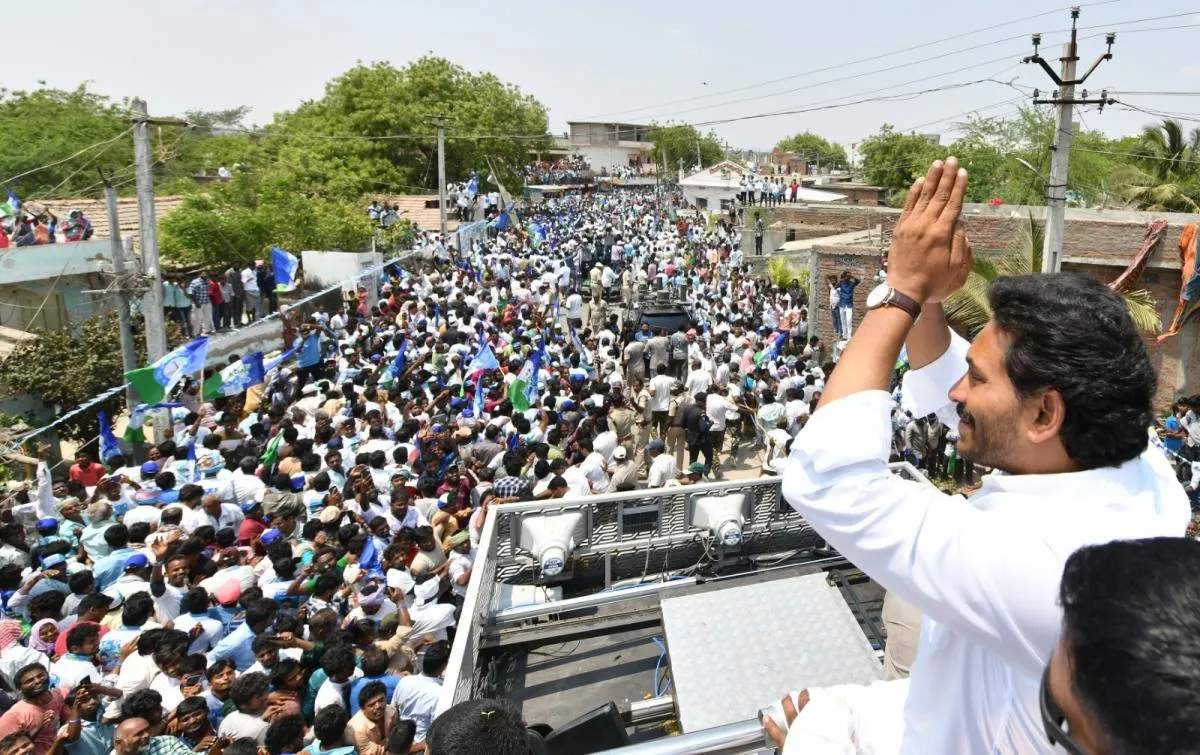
pixel 43 126
pixel 814 148
pixel 322 146
pixel 1164 176
pixel 241 219
pixel 673 141
pixel 894 160
pixel 968 309
pixel 40 369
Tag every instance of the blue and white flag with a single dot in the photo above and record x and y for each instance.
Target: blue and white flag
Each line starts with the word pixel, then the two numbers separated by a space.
pixel 287 269
pixel 280 359
pixel 479 396
pixel 396 368
pixel 538 358
pixel 578 344
pixel 482 362
pixel 108 442
pixel 155 382
pixel 237 377
pixel 191 460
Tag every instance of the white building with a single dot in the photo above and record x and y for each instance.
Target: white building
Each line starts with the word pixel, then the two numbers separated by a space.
pixel 609 147
pixel 714 188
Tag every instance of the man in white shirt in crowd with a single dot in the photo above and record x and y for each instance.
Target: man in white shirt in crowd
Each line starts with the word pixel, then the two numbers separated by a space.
pixel 1035 397
pixel 662 465
pixel 416 696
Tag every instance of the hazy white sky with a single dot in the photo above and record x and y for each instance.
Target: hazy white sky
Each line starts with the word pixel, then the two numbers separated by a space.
pixel 621 60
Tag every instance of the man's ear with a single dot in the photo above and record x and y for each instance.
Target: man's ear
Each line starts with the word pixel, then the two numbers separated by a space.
pixel 1046 413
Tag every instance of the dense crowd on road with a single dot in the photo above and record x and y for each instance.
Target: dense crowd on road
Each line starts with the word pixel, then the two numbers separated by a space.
pixel 283 567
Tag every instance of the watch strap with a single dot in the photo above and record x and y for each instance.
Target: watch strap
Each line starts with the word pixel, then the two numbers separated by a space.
pixel 903 302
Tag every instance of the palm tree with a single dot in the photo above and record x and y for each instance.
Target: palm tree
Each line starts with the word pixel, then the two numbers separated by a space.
pixel 1167 183
pixel 1169 149
pixel 968 310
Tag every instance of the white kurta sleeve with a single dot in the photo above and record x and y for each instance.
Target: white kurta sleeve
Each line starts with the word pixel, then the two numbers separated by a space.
pixel 926 391
pixel 980 574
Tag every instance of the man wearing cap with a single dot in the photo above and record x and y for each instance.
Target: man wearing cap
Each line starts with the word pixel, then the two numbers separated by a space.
pixel 622 471
pixel 662 465
pixel 134 578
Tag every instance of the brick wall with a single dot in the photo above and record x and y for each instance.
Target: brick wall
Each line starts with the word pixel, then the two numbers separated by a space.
pixel 863 263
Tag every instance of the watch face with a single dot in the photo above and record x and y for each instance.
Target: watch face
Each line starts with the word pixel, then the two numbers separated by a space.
pixel 877 296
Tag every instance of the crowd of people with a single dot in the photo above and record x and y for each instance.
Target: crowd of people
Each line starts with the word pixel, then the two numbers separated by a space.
pixel 565 170
pixel 767 191
pixel 26 227
pixel 284 568
pixel 213 301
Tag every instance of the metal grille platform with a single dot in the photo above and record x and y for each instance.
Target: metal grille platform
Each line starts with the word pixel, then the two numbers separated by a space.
pixel 737 649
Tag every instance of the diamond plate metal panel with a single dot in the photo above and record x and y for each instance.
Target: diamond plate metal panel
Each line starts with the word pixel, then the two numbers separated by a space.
pixel 738 649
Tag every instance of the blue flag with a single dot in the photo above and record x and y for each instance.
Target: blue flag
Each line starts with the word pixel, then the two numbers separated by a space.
pixel 108 442
pixel 539 356
pixel 191 461
pixel 478 405
pixel 155 383
pixel 280 359
pixel 483 361
pixel 437 313
pixel 396 368
pixel 237 377
pixel 287 269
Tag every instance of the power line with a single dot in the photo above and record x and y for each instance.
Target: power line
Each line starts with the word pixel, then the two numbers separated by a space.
pixel 86 149
pixel 836 66
pixel 884 98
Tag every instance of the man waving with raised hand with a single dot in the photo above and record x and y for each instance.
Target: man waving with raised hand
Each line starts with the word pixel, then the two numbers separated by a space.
pixel 1055 395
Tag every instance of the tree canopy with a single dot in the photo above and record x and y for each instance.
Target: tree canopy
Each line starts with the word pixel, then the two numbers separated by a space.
pixel 38 367
pixel 815 148
pixel 673 141
pixel 374 129
pixel 303 182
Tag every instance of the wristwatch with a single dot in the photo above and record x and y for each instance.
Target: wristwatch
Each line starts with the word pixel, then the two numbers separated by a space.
pixel 884 295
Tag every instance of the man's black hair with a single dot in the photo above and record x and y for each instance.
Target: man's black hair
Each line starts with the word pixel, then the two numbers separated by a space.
pixel 480 725
pixel 436 658
pixel 1073 334
pixel 1131 615
pixel 218 667
pixel 92 601
pixel 137 609
pixel 79 634
pixel 146 703
pixel 247 687
pixel 81 582
pixel 370 690
pixel 283 734
pixel 259 611
pixel 329 726
pixel 117 536
pixel 338 661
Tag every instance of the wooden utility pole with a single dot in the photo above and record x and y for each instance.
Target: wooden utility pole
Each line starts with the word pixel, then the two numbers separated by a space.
pixel 152 302
pixel 128 352
pixel 441 127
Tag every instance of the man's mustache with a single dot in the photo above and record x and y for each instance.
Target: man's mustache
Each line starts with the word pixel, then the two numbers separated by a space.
pixel 963 414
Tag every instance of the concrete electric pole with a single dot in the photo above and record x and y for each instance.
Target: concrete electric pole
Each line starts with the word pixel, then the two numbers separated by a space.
pixel 1060 151
pixel 441 127
pixel 152 307
pixel 128 352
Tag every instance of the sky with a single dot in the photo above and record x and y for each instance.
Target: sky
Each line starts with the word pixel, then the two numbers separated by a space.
pixel 627 61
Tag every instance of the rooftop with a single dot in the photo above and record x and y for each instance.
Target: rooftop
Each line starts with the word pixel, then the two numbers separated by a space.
pixel 97 212
pixel 421 209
